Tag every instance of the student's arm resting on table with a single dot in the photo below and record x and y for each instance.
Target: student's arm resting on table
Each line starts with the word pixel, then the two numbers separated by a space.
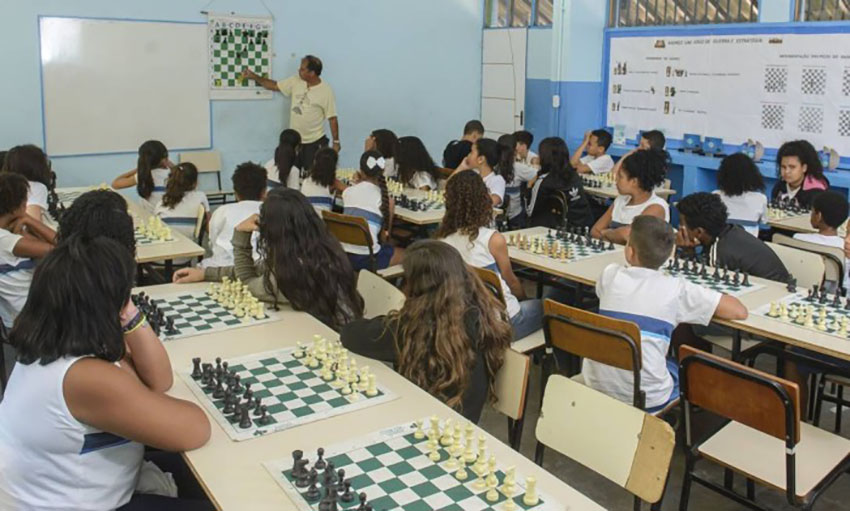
pixel 499 248
pixel 35 211
pixel 603 223
pixel 620 235
pixel 125 180
pixel 373 338
pixel 730 308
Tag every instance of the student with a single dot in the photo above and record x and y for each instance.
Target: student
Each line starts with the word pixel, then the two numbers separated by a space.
pixel 99 213
pixel 384 141
pixel 652 139
pixel 457 150
pixel 486 158
pixel 829 212
pixel 415 167
pixel 22 239
pixel 524 154
pixel 703 223
pixel 516 174
pixel 88 390
pixel 286 157
pixel 321 183
pixel 301 262
pixel 181 202
pixel 249 184
pixel 450 336
pixel 596 161
pixel 369 199
pixel 556 175
pixel 31 162
pixel 657 303
pixel 800 173
pixel 150 175
pixel 741 188
pixel 466 227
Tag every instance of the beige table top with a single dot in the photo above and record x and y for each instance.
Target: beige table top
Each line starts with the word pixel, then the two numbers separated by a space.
pixel 800 223
pixel 232 472
pixel 434 216
pixel 610 192
pixel 588 270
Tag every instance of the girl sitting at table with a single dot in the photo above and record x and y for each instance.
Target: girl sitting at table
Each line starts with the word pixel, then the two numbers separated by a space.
pixel 150 175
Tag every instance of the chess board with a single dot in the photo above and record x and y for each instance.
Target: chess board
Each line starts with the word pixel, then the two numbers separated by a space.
pixel 418 204
pixel 576 250
pixel 772 116
pixel 833 315
pixel 144 240
pixel 814 81
pixel 710 282
pixel 393 469
pixel 235 45
pixel 776 79
pixel 845 82
pixel 293 393
pixel 844 123
pixel 198 313
pixel 811 119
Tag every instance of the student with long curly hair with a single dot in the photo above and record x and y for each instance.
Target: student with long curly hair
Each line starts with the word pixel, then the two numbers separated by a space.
pixel 151 173
pixel 450 336
pixel 99 213
pixel 301 262
pixel 466 227
pixel 741 188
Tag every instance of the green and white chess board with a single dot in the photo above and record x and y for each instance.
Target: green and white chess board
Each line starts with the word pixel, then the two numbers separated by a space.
pixel 237 43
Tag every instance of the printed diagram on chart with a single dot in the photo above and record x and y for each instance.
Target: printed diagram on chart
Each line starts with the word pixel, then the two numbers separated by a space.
pixel 233 49
pixel 844 123
pixel 622 68
pixel 772 116
pixel 677 73
pixel 814 81
pixel 845 82
pixel 811 119
pixel 776 79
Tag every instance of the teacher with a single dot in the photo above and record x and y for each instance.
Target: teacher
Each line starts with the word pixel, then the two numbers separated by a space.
pixel 312 102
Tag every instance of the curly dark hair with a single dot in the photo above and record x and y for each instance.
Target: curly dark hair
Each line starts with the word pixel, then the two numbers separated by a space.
pixel 832 206
pixel 806 153
pixel 648 167
pixel 249 180
pixel 30 162
pixel 99 213
pixel 706 210
pixel 13 192
pixel 182 180
pixel 739 174
pixel 468 206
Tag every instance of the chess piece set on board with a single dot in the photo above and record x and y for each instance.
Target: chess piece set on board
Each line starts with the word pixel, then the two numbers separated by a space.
pixel 692 266
pixel 814 310
pixel 154 229
pixel 155 316
pixel 346 175
pixel 785 208
pixel 598 180
pixel 225 384
pixel 235 296
pixel 432 199
pixel 563 244
pixel 448 452
pixel 338 369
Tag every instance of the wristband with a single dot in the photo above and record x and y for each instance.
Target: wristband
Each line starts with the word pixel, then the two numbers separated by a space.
pixel 137 322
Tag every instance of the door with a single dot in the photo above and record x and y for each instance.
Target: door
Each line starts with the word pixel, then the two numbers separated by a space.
pixel 503 80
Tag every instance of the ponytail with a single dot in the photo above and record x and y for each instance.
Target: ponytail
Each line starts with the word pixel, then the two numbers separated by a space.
pixel 151 154
pixel 507 157
pixel 182 180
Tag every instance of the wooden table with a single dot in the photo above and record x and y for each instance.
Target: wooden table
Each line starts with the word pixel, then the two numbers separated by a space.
pixel 801 223
pixel 423 218
pixel 610 192
pixel 232 472
pixel 588 270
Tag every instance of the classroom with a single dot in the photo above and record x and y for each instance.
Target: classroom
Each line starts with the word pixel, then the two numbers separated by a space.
pixel 507 255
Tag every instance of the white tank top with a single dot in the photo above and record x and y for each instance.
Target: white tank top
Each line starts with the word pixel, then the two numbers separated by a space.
pixel 364 200
pixel 624 213
pixel 50 460
pixel 319 196
pixel 477 254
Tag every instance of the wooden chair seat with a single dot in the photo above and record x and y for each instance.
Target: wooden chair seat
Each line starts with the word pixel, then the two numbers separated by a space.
pixel 725 342
pixel 762 457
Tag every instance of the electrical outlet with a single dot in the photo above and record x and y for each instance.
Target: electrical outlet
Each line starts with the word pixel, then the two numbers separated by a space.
pixel 556 101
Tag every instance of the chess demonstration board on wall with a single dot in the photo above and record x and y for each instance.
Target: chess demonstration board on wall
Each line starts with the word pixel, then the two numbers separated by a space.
pixel 237 42
pixel 770 85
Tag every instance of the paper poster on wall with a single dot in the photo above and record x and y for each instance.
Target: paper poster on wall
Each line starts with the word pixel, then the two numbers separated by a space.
pixel 237 42
pixel 766 87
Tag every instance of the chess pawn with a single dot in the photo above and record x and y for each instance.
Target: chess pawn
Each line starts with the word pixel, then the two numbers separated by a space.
pixel 530 498
pixel 452 463
pixel 259 312
pixel 774 310
pixel 419 434
pixel 510 505
pixel 492 495
pixel 364 379
pixel 446 439
pixel 435 426
pixel 327 375
pixel 457 446
pixel 346 389
pixel 468 453
pixel 480 483
pixel 299 350
pixel 783 311
pixel 461 473
pixel 433 452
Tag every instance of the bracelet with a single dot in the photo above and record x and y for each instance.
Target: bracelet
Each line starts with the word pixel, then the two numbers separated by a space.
pixel 137 322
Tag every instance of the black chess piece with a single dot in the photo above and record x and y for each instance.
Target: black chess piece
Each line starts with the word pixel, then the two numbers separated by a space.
pixel 248 392
pixel 330 474
pixel 716 275
pixel 211 383
pixel 362 498
pixel 245 417
pixel 792 285
pixel 836 300
pixel 258 407
pixel 675 262
pixel 320 461
pixel 228 403
pixel 822 296
pixel 347 494
pixel 218 393
pixel 265 419
pixel 736 278
pixel 329 501
pixel 340 480
pixel 218 364
pixel 610 245
pixel 303 479
pixel 703 272
pixel 313 491
pixel 297 455
pixel 746 282
pixel 196 371
pixel 237 384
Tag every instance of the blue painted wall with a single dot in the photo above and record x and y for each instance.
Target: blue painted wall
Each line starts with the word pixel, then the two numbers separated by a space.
pixel 382 58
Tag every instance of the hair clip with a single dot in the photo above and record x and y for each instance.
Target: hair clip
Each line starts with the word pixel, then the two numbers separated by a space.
pixel 372 161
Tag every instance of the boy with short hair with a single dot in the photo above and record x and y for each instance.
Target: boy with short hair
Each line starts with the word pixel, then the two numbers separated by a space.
pixel 524 154
pixel 829 212
pixel 249 184
pixel 596 161
pixel 657 302
pixel 652 139
pixel 457 150
pixel 703 222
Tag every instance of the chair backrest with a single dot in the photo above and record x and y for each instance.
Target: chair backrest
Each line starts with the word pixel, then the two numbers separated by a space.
pixel 206 161
pixel 492 281
pixel 379 296
pixel 199 224
pixel 556 205
pixel 627 446
pixel 511 384
pixel 350 229
pixel 833 257
pixel 609 341
pixel 759 400
pixel 806 267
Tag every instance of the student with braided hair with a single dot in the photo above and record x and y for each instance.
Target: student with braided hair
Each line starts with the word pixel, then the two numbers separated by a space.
pixel 179 205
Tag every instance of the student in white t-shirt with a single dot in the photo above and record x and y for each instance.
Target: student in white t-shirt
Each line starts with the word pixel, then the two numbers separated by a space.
pixel 249 185
pixel 741 188
pixel 639 175
pixel 524 154
pixel 829 212
pixel 515 173
pixel 23 239
pixel 384 141
pixel 321 185
pixel 181 202
pixel 31 162
pixel 657 303
pixel 485 158
pixel 287 157
pixel 596 161
pixel 150 175
pixel 368 198
pixel 415 167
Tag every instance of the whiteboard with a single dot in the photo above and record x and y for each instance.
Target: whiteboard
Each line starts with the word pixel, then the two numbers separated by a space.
pixel 109 85
pixel 770 87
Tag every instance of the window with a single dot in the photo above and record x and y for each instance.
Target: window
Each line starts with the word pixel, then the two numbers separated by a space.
pixel 633 13
pixel 827 10
pixel 545 13
pixel 518 13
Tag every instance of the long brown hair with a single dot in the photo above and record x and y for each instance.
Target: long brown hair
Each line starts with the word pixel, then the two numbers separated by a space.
pixel 468 206
pixel 182 180
pixel 434 348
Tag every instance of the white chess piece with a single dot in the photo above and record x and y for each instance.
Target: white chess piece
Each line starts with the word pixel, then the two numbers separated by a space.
pixel 530 498
pixel 372 390
pixel 419 434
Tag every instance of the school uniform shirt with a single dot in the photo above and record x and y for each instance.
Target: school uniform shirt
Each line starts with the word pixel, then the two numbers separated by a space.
pixel 184 216
pixel 495 185
pixel 49 459
pixel 455 153
pixel 476 253
pixel 749 210
pixel 273 179
pixel 528 158
pixel 222 224
pixel 657 303
pixel 160 177
pixel 37 195
pixel 15 278
pixel 309 108
pixel 523 173
pixel 364 200
pixel 739 250
pixel 804 195
pixel 829 241
pixel 569 183
pixel 600 165
pixel 390 169
pixel 624 212
pixel 422 179
pixel 319 196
